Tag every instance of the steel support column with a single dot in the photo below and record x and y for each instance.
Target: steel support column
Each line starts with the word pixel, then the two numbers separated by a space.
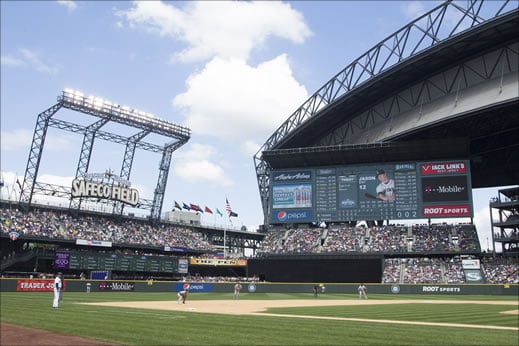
pixel 33 164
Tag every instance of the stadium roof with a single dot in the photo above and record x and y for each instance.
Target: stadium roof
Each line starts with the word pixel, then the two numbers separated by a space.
pixel 494 33
pixel 489 132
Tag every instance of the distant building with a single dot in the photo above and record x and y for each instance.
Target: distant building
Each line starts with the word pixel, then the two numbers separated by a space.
pixel 183 217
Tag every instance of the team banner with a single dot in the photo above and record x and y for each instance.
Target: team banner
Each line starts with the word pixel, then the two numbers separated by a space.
pixel 37 285
pixel 218 262
pixel 473 276
pixel 102 243
pixel 61 260
pixel 470 264
pixel 183 265
pixel 168 248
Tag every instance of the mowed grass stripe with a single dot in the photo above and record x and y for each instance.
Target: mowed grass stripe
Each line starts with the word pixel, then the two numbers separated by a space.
pixel 447 313
pixel 121 325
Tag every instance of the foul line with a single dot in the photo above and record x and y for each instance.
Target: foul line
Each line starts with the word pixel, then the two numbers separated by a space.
pixel 416 323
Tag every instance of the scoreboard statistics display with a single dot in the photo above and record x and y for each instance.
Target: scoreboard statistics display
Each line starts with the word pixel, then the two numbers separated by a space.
pixel 117 262
pixel 388 191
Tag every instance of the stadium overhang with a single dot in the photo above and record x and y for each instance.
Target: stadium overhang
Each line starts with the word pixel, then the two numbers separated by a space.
pixel 497 32
pixel 449 148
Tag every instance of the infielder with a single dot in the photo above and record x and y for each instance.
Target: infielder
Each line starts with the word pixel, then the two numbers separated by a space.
pixel 182 295
pixel 362 291
pixel 57 291
pixel 237 289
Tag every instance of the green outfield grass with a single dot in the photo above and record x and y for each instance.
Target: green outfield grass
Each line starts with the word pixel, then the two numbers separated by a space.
pixel 156 327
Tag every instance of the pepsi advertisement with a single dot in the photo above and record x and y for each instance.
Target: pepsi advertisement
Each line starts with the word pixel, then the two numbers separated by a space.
pixel 388 191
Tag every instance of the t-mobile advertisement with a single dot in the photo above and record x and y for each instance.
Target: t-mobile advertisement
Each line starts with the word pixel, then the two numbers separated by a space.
pixel 445 189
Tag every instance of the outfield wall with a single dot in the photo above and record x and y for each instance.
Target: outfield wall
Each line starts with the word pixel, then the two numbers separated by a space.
pixel 38 285
pixel 310 269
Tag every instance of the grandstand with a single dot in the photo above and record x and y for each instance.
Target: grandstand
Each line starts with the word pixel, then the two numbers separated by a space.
pixel 438 93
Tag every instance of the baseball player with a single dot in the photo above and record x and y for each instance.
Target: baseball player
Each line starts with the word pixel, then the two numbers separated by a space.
pixel 362 291
pixel 182 295
pixel 57 291
pixel 237 289
pixel 386 188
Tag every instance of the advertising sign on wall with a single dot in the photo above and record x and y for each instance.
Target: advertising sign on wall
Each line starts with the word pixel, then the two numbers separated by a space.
pixel 37 285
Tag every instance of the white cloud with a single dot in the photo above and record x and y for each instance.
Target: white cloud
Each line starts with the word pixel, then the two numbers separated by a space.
pixel 228 94
pixel 36 62
pixel 228 29
pixel 21 139
pixel 11 61
pixel 234 101
pixel 413 9
pixel 55 179
pixel 69 4
pixel 483 226
pixel 250 148
pixel 28 58
pixel 197 164
pixel 16 140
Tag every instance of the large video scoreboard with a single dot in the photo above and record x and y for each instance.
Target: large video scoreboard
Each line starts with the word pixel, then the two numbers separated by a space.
pixel 389 191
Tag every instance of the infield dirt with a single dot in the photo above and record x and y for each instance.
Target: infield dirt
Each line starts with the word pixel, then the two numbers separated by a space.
pixel 259 307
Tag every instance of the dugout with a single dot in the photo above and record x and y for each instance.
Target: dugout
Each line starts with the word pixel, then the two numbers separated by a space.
pixel 317 268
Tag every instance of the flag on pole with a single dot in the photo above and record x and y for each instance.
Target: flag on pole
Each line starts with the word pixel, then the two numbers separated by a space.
pixel 18 182
pixel 178 206
pixel 185 206
pixel 219 212
pixel 207 210
pixel 195 207
pixel 229 209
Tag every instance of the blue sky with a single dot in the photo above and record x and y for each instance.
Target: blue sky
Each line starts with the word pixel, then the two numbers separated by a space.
pixel 230 71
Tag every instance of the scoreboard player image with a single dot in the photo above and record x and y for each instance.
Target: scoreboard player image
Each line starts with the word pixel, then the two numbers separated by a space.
pixel 385 189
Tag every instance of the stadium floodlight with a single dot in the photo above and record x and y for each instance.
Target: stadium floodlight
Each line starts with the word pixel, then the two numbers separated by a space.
pixel 101 108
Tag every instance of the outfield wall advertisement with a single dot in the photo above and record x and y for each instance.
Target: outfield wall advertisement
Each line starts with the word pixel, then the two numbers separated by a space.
pixel 73 285
pixel 37 285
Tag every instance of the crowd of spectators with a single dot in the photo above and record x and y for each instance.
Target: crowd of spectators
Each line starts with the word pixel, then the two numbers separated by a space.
pixel 206 278
pixel 61 225
pixel 344 239
pixel 333 239
pixel 422 270
pixel 392 270
pixel 302 241
pixel 448 270
pixel 501 270
pixel 381 239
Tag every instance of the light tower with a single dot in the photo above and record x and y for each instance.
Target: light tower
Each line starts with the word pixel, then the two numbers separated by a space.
pixel 105 112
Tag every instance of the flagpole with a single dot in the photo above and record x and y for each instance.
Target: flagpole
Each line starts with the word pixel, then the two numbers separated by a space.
pixel 224 246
